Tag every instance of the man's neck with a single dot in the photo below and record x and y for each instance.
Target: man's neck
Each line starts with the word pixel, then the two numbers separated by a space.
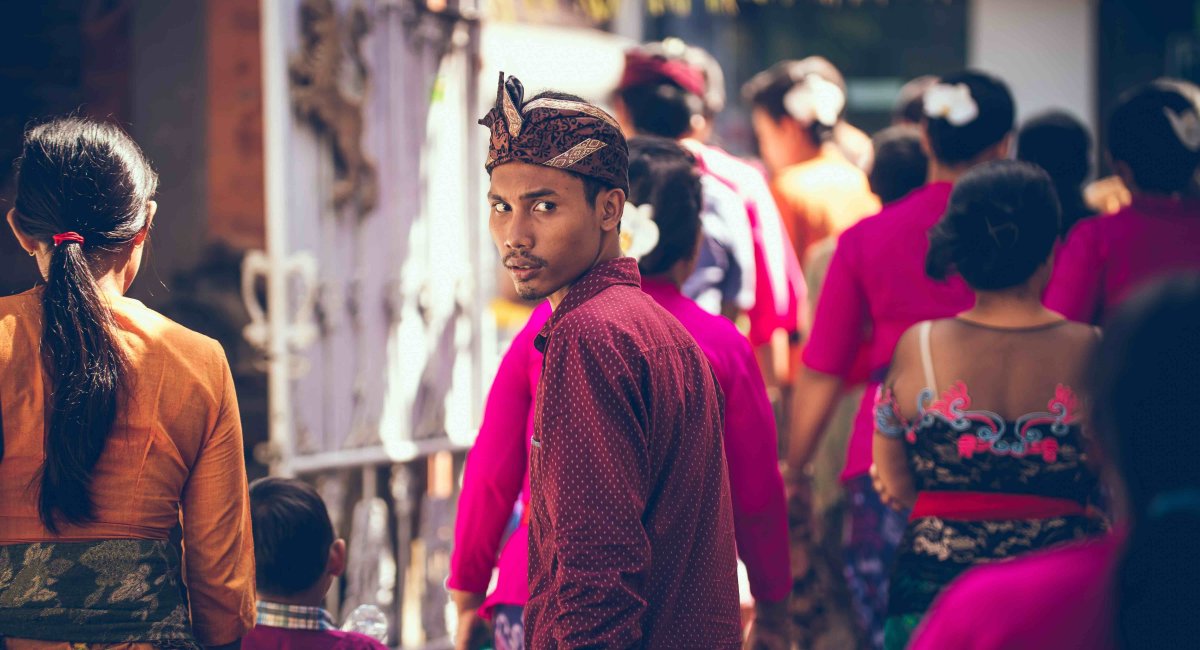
pixel 557 297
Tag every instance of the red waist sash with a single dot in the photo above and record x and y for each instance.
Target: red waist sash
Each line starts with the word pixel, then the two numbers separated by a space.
pixel 988 506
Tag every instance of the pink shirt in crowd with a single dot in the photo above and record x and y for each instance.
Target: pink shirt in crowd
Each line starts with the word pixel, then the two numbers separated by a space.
pixel 1059 599
pixel 1108 257
pixel 491 486
pixel 875 289
pixel 780 292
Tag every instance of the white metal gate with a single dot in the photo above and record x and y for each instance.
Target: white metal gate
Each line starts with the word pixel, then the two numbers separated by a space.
pixel 375 311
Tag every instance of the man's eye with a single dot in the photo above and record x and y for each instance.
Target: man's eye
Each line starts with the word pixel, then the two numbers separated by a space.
pixel 544 206
pixel 500 207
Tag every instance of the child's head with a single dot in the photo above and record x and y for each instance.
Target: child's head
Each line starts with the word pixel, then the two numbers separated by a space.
pixel 295 550
pixel 1154 136
pixel 999 228
pixel 901 166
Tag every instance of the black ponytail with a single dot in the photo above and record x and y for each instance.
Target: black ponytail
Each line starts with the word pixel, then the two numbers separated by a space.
pixel 663 174
pixel 1144 376
pixel 86 177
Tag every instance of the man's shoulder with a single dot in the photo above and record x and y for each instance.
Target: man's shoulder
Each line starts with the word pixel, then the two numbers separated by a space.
pixel 622 317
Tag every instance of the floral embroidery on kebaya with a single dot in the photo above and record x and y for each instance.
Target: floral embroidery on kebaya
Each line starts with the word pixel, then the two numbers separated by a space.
pixel 982 430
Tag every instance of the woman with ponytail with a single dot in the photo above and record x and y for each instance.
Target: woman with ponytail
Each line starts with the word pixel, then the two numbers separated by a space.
pixel 117 424
pixel 978 421
pixel 1137 588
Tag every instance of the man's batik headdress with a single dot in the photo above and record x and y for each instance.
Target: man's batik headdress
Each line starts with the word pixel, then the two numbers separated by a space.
pixel 568 135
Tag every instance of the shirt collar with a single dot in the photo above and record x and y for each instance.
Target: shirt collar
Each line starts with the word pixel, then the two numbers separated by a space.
pixel 619 270
pixel 294 617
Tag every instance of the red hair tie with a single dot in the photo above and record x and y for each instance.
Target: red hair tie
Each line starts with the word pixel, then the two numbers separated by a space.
pixel 67 237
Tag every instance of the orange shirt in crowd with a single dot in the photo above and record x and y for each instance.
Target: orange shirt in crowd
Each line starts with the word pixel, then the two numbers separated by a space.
pixel 174 457
pixel 821 197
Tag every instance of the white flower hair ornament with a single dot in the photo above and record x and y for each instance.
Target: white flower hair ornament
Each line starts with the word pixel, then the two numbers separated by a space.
pixel 639 232
pixel 815 99
pixel 952 103
pixel 1186 125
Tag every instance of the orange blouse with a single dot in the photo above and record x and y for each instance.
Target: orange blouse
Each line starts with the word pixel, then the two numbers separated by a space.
pixel 174 456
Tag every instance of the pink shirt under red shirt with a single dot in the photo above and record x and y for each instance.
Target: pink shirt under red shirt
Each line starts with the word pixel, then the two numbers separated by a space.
pixel 490 486
pixel 875 289
pixel 1107 258
pixel 631 540
pixel 1058 599
pixel 781 295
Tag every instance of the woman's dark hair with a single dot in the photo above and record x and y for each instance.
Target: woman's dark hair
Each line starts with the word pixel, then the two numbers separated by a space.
pixel 999 226
pixel 292 535
pixel 959 144
pixel 87 177
pixel 1145 376
pixel 1140 134
pixel 663 174
pixel 1061 145
pixel 900 165
pixel 768 89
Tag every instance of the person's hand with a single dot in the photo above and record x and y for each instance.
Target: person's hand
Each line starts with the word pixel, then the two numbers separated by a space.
pixel 472 629
pixel 771 629
pixel 886 497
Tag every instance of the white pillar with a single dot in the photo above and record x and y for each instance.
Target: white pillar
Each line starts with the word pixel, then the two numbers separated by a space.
pixel 1044 49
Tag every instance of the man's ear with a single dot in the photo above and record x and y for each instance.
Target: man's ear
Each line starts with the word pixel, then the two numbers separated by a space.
pixel 612 206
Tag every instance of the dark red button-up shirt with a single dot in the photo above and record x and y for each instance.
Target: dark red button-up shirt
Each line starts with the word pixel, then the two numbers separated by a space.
pixel 631 539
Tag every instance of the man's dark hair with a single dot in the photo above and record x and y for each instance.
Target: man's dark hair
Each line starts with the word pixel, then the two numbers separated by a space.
pixel 661 109
pixel 292 535
pixel 1060 144
pixel 767 89
pixel 591 187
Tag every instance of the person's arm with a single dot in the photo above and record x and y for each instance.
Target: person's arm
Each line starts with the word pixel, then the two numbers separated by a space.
pixel 829 354
pixel 759 503
pixel 592 472
pixel 1076 284
pixel 217 540
pixel 890 473
pixel 495 471
pixel 756 486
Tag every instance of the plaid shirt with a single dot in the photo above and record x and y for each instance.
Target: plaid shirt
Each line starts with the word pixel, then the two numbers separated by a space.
pixel 294 617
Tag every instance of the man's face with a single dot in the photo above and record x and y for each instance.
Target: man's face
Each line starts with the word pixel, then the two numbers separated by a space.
pixel 546 231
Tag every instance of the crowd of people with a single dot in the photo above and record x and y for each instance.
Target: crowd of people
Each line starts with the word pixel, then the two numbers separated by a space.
pixel 1005 358
pixel 951 287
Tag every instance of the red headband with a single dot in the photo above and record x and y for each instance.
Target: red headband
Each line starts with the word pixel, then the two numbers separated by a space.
pixel 62 237
pixel 642 68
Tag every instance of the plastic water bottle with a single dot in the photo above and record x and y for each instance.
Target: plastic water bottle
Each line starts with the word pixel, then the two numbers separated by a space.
pixel 368 620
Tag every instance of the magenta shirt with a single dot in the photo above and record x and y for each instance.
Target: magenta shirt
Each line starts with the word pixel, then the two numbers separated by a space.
pixel 875 289
pixel 496 475
pixel 1108 257
pixel 490 488
pixel 1055 599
